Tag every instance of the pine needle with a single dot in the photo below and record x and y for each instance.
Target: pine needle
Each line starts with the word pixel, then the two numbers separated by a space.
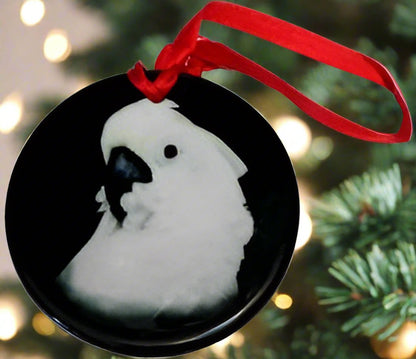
pixel 379 290
pixel 365 209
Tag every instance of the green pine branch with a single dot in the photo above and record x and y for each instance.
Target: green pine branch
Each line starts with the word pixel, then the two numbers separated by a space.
pixel 321 341
pixel 404 19
pixel 365 209
pixel 379 290
pixel 307 341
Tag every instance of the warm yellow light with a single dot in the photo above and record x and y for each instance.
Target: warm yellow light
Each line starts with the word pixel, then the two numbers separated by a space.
pixel 294 134
pixel 11 110
pixel 237 340
pixel 282 301
pixel 8 323
pixel 400 345
pixel 43 325
pixel 32 12
pixel 81 84
pixel 409 340
pixel 322 147
pixel 305 228
pixel 56 47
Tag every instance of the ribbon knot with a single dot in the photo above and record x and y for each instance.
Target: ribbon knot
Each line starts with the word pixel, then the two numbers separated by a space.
pixel 155 90
pixel 193 54
pixel 173 60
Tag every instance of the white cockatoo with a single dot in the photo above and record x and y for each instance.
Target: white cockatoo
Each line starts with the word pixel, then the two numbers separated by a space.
pixel 175 221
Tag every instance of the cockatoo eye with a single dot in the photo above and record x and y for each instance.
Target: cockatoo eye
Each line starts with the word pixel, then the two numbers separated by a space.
pixel 170 151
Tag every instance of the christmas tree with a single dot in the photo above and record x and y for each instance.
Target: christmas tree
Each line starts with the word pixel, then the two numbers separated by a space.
pixel 351 290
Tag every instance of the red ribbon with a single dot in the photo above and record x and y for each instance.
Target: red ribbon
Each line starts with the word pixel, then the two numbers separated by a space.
pixel 192 54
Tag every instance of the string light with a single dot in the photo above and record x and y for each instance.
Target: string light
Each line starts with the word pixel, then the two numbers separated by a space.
pixel 12 316
pixel 43 325
pixel 81 84
pixel 236 339
pixel 294 134
pixel 56 47
pixel 8 324
pixel 305 227
pixel 402 347
pixel 11 110
pixel 32 12
pixel 409 340
pixel 322 147
pixel 282 301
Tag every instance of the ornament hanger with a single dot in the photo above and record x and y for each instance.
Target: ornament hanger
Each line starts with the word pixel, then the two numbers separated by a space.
pixel 193 54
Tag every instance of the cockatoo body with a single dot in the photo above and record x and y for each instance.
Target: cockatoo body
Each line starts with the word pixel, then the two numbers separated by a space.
pixel 172 236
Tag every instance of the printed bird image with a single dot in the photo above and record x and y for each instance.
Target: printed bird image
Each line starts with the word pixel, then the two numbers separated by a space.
pixel 175 220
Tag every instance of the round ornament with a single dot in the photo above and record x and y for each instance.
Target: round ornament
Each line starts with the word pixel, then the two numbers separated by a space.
pixel 152 229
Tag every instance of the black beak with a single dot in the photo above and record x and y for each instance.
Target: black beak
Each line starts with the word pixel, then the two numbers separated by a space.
pixel 124 167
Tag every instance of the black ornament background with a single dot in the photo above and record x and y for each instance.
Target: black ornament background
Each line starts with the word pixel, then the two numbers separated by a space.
pixel 51 210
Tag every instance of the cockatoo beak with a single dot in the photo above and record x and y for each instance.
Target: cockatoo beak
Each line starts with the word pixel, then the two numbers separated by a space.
pixel 124 167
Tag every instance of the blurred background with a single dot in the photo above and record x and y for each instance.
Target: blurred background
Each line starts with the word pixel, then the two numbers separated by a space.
pixel 351 287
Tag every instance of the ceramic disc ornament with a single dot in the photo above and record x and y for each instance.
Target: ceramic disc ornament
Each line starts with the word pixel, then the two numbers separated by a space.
pixel 152 229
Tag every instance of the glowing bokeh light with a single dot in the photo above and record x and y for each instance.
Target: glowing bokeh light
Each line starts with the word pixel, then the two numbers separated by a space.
pixel 305 227
pixel 11 110
pixel 43 325
pixel 32 12
pixel 322 147
pixel 236 339
pixel 402 347
pixel 8 323
pixel 282 301
pixel 409 340
pixel 56 47
pixel 295 135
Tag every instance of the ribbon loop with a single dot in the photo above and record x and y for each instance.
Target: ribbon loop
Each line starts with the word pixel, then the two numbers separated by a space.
pixel 192 54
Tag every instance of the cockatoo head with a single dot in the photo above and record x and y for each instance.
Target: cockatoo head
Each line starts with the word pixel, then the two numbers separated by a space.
pixel 171 240
pixel 157 158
